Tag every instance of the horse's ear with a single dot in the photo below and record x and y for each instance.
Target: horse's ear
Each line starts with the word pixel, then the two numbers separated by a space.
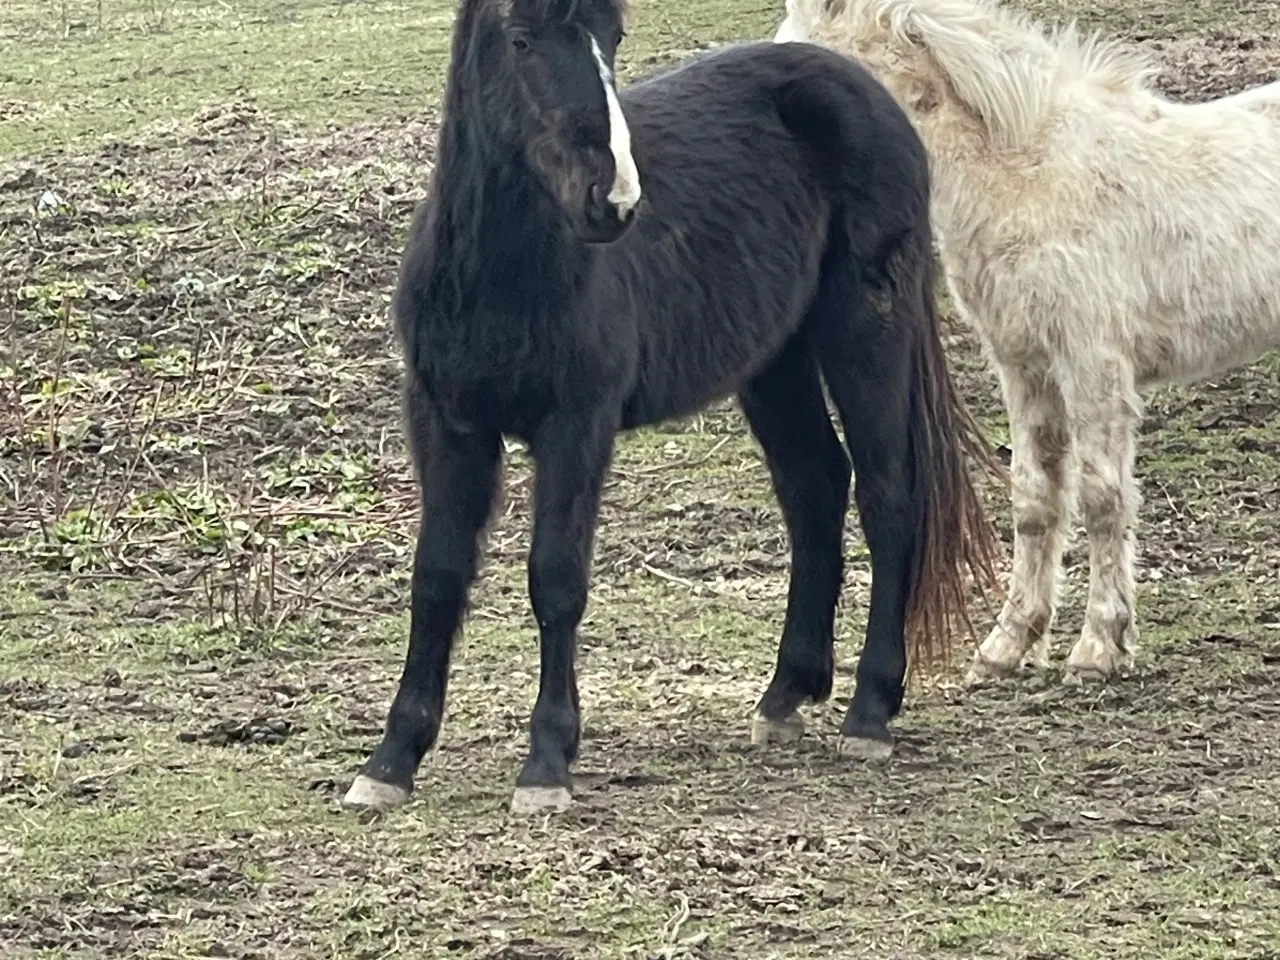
pixel 834 7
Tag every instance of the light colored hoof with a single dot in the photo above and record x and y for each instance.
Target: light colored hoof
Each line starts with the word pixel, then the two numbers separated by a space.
pixel 787 730
pixel 1036 660
pixel 1003 652
pixel 1077 675
pixel 369 794
pixel 860 748
pixel 1097 666
pixel 531 800
pixel 983 669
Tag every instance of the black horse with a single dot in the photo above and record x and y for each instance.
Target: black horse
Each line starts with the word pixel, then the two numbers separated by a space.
pixel 769 232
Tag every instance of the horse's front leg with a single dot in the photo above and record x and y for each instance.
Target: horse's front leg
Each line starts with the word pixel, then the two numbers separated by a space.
pixel 571 454
pixel 1041 441
pixel 458 477
pixel 1104 432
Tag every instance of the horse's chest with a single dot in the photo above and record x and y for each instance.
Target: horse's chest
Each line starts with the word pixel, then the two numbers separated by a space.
pixel 484 382
pixel 979 287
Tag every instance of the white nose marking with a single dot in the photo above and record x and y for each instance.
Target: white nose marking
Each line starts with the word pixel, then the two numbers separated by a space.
pixel 625 192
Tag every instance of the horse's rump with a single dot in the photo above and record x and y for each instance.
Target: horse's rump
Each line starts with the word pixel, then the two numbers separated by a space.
pixel 749 152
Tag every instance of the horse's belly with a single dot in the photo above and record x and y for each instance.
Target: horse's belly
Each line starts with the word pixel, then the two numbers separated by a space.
pixel 1212 322
pixel 695 353
pixel 1214 347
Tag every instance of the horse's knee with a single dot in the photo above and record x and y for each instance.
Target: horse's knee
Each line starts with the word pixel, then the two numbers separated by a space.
pixel 557 589
pixel 1037 473
pixel 1104 500
pixel 1035 514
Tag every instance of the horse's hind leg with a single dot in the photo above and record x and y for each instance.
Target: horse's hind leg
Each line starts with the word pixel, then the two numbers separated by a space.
pixel 458 476
pixel 810 471
pixel 867 367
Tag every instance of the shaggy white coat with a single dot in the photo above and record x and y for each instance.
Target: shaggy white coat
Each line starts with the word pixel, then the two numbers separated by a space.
pixel 1101 238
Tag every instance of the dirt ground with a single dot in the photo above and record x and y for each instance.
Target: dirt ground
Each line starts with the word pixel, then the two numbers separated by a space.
pixel 205 537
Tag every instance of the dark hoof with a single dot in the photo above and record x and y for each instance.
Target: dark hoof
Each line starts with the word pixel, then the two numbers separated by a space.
pixel 527 801
pixel 369 794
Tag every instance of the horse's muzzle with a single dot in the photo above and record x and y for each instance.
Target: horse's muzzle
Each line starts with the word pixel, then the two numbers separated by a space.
pixel 603 221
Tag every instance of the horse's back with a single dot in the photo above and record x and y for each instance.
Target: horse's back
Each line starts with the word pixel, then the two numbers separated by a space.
pixel 767 92
pixel 772 128
pixel 749 154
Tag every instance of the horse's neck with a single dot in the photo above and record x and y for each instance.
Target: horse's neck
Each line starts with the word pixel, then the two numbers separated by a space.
pixel 960 170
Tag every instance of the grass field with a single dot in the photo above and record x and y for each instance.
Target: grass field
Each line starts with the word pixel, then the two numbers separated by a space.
pixel 206 523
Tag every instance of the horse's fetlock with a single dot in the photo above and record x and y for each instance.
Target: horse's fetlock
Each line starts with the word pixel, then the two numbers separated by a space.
pixel 812 676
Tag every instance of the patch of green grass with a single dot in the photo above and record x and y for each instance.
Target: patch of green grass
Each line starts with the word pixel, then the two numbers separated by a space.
pixel 70 78
pixel 139 817
pixel 316 62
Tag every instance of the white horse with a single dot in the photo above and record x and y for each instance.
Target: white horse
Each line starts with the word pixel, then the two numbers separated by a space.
pixel 1101 238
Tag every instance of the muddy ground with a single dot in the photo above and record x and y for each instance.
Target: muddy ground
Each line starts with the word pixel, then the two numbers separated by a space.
pixel 203 609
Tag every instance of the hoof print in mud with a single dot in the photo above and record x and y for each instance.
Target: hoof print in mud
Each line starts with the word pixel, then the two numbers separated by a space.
pixel 263 730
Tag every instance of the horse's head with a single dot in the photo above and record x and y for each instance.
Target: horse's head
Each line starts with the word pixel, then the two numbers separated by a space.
pixel 551 61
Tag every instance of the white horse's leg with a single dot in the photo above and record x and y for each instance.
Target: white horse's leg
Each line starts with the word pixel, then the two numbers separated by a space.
pixel 1104 424
pixel 1041 486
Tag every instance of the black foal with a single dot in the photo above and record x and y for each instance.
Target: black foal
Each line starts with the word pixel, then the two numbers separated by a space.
pixel 752 222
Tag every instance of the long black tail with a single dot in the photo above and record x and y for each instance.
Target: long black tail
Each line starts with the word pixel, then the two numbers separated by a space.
pixel 953 534
pixel 866 148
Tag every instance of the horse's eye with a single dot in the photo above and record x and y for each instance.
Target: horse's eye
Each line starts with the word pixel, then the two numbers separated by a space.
pixel 521 43
pixel 617 42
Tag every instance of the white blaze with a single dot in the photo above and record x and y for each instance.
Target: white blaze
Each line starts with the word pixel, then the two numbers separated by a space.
pixel 625 192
